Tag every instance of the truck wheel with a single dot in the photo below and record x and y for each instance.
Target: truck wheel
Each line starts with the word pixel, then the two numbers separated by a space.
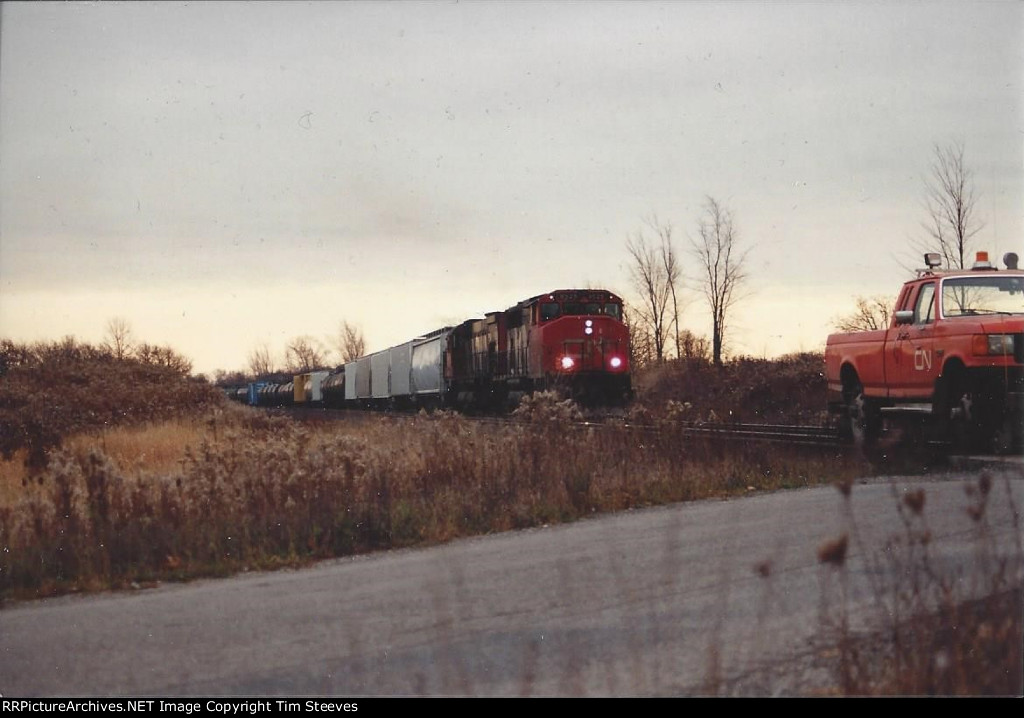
pixel 973 429
pixel 1007 434
pixel 860 421
pixel 978 427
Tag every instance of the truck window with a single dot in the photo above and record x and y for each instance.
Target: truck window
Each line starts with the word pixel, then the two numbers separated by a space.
pixel 903 303
pixel 924 310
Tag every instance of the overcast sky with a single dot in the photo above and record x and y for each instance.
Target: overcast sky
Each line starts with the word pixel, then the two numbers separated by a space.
pixel 226 174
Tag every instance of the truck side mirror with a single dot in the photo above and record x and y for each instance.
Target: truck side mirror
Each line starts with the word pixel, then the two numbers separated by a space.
pixel 904 316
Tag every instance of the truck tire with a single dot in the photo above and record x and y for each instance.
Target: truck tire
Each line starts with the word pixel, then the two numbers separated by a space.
pixel 978 424
pixel 861 422
pixel 969 428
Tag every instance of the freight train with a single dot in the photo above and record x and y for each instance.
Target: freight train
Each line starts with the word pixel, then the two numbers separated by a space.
pixel 573 341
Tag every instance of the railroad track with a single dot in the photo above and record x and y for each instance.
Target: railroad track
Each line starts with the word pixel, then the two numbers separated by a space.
pixel 778 433
pixel 790 434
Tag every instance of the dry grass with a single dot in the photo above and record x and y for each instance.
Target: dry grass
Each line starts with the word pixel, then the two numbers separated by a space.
pixel 257 491
pixel 943 632
pixel 149 448
pixel 13 477
pixel 152 448
pixel 968 648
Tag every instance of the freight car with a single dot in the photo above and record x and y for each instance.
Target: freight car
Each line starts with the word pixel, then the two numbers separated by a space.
pixel 573 341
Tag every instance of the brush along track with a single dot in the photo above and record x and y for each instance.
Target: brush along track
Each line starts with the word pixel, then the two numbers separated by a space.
pixel 777 433
pixel 824 437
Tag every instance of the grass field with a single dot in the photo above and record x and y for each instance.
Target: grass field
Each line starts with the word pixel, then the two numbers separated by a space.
pixel 243 489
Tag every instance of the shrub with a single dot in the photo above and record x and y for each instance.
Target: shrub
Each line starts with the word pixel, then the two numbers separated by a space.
pixel 790 389
pixel 49 391
pixel 944 630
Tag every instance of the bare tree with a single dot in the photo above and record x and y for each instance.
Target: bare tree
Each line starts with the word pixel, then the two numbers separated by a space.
pixel 350 343
pixel 229 378
pixel 654 272
pixel 692 346
pixel 722 268
pixel 304 354
pixel 163 356
pixel 871 313
pixel 672 272
pixel 261 361
pixel 950 201
pixel 119 341
pixel 641 344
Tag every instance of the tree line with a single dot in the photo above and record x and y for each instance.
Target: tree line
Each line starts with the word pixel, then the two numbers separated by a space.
pixel 307 353
pixel 119 344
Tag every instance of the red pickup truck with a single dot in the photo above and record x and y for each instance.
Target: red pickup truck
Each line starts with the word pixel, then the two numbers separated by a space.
pixel 953 355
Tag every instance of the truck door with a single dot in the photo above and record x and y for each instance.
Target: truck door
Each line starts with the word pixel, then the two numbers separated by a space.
pixel 916 365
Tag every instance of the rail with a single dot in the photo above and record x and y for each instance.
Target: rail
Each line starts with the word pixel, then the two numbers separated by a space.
pixel 778 433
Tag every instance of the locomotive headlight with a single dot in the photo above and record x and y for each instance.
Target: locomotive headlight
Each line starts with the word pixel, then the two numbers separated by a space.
pixel 993 344
pixel 588 323
pixel 615 362
pixel 588 330
pixel 568 363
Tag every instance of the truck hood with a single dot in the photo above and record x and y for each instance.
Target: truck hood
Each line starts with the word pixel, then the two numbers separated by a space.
pixel 1002 324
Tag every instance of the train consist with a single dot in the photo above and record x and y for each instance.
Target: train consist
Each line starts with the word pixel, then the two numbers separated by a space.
pixel 571 340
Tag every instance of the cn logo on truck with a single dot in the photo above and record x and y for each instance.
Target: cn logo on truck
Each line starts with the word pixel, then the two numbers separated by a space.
pixel 922 360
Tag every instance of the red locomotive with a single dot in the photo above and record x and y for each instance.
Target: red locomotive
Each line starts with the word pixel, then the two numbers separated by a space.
pixel 572 340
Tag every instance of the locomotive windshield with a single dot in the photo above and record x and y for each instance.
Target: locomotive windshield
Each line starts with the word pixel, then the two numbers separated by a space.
pixel 974 296
pixel 576 308
pixel 553 310
pixel 549 310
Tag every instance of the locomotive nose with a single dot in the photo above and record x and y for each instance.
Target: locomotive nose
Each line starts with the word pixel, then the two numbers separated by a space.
pixel 590 345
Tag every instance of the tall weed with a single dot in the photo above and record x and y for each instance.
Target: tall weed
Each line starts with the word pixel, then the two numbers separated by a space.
pixel 939 629
pixel 258 490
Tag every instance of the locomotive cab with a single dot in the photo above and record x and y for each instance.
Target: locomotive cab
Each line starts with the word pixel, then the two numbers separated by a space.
pixel 578 343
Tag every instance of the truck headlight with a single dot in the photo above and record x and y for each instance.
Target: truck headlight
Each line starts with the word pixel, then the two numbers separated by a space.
pixel 993 344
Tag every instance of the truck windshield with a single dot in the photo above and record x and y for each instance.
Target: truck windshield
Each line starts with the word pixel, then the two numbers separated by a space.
pixel 974 296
